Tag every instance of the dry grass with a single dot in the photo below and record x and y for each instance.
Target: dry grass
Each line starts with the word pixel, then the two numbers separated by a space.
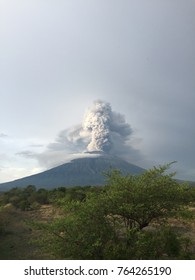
pixel 19 239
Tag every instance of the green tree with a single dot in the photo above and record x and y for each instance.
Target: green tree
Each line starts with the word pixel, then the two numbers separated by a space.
pixel 110 223
pixel 140 200
pixel 82 233
pixel 42 196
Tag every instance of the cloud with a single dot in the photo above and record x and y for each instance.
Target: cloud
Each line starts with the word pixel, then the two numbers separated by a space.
pixel 102 130
pixel 27 154
pixel 13 173
pixel 3 135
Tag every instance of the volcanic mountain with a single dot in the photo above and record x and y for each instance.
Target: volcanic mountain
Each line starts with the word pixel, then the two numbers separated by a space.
pixel 78 172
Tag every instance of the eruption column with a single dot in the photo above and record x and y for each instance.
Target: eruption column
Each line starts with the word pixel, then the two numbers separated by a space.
pixel 97 123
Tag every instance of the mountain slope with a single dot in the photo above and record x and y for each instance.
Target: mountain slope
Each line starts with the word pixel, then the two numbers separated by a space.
pixel 78 172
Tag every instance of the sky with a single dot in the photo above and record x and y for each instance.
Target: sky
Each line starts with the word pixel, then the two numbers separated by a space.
pixel 59 57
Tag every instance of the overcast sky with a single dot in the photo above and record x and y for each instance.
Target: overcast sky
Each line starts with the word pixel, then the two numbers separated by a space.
pixel 57 57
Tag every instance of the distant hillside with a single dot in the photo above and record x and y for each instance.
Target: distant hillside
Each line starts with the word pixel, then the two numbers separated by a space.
pixel 78 172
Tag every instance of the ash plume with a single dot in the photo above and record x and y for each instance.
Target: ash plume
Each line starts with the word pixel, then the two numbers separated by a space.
pixel 97 124
pixel 104 127
pixel 102 131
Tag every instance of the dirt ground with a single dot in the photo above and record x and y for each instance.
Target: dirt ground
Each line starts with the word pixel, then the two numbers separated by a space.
pixel 17 243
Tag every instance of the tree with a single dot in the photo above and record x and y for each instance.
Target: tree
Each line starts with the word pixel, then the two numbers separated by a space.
pixel 145 198
pixel 110 223
pixel 82 233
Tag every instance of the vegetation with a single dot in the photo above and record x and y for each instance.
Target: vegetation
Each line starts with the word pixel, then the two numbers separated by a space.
pixel 147 216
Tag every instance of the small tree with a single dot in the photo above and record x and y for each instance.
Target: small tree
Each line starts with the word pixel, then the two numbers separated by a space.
pixel 145 198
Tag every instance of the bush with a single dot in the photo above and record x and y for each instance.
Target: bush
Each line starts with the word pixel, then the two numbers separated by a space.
pixel 111 223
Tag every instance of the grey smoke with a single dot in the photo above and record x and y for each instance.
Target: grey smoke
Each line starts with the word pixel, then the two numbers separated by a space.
pixel 97 123
pixel 105 127
pixel 102 130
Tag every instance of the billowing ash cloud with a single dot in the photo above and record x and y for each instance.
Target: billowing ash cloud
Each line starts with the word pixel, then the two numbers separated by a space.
pixel 102 130
pixel 104 126
pixel 97 123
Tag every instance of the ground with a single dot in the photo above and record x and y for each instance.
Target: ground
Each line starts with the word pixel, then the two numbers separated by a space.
pixel 18 242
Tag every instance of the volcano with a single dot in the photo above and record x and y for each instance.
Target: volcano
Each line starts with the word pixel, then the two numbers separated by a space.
pixel 78 172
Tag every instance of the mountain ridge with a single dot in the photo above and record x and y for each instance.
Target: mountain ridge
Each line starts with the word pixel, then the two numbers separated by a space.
pixel 78 172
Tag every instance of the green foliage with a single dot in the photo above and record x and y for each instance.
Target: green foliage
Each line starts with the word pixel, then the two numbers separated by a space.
pixel 110 223
pixel 142 199
pixel 129 218
pixel 25 199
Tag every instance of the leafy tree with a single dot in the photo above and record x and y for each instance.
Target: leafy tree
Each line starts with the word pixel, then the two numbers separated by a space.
pixel 145 198
pixel 82 233
pixel 42 196
pixel 112 223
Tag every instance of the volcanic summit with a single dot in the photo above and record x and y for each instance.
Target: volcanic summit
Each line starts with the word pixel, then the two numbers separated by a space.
pixel 100 141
